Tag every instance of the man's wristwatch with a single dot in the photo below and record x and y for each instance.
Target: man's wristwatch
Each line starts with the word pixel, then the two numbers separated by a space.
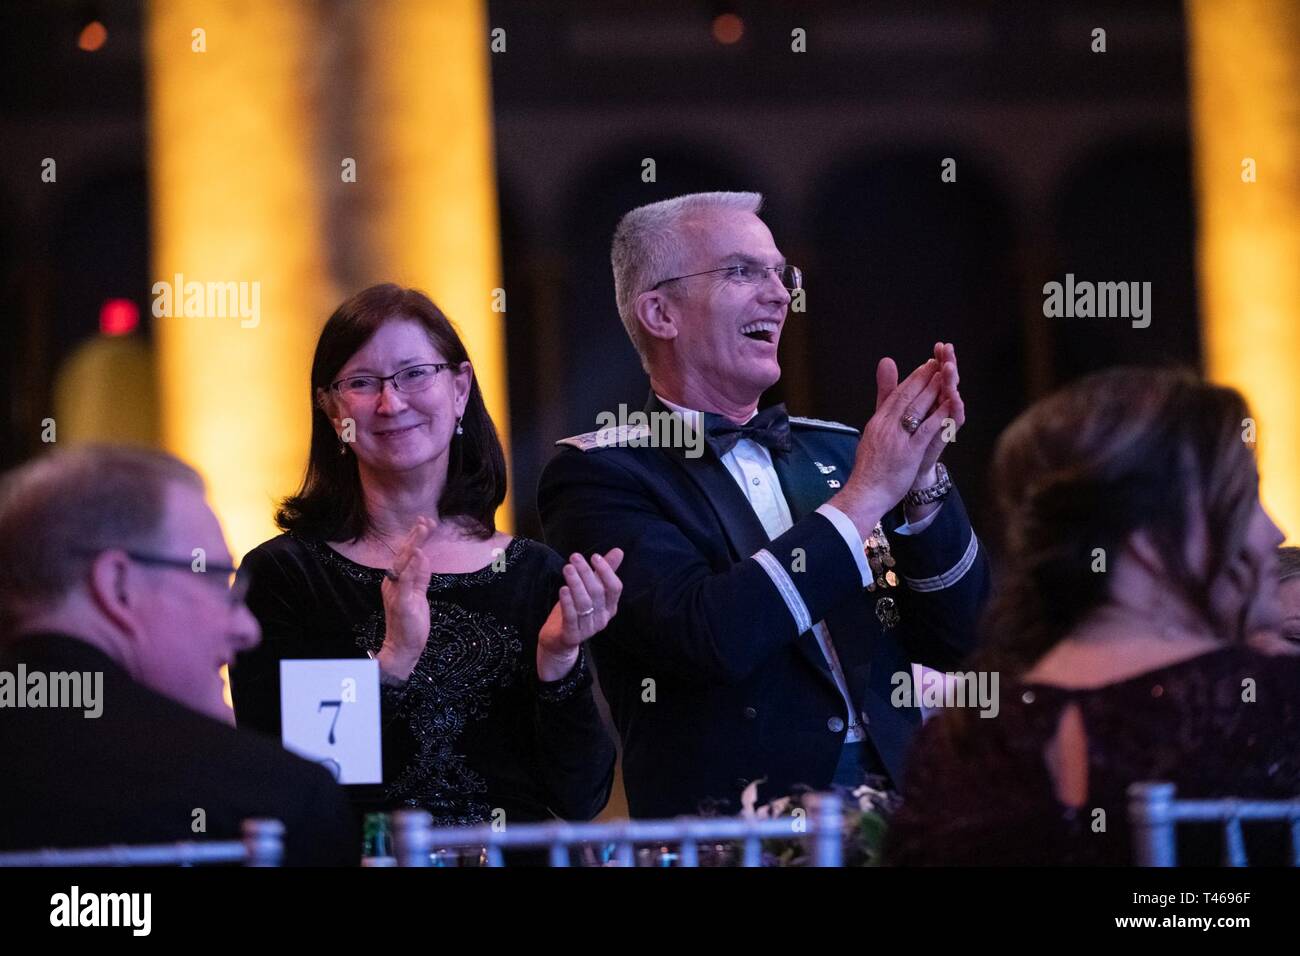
pixel 936 492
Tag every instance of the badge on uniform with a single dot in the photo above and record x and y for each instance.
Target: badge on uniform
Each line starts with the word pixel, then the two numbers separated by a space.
pixel 881 562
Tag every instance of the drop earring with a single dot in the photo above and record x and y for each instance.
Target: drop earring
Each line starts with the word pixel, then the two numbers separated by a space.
pixel 343 447
pixel 459 430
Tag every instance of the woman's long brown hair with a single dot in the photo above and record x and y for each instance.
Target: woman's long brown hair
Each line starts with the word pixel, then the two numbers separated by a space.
pixel 1120 451
pixel 330 506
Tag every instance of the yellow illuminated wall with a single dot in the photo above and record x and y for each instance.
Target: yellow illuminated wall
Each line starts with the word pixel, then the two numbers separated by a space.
pixel 120 367
pixel 423 137
pixel 247 136
pixel 234 173
pixel 1245 86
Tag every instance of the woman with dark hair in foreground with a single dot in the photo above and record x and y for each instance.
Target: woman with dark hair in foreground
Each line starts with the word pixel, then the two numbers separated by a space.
pixel 390 550
pixel 1140 569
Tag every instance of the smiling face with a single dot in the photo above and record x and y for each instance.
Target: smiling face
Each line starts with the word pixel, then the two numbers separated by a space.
pixel 188 627
pixel 397 431
pixel 725 332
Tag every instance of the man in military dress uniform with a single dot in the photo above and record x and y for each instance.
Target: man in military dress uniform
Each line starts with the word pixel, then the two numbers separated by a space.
pixel 776 583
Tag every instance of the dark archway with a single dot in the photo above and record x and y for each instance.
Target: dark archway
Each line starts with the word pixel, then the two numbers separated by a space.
pixel 1125 213
pixel 102 237
pixel 902 260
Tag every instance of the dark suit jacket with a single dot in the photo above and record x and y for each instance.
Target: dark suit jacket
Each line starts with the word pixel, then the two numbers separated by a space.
pixel 137 773
pixel 738 694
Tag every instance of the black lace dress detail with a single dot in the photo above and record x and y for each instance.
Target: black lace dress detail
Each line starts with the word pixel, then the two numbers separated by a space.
pixel 979 792
pixel 472 731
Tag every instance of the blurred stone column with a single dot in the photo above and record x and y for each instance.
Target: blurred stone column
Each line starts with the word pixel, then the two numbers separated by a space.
pixel 426 207
pixel 234 120
pixel 1244 59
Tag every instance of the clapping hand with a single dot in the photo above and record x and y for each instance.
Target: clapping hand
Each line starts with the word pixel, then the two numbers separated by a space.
pixel 946 355
pixel 406 604
pixel 588 601
pixel 903 435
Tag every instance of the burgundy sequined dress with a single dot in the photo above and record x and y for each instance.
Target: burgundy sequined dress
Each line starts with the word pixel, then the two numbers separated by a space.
pixel 1226 723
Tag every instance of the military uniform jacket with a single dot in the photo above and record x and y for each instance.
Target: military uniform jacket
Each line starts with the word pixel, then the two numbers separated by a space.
pixel 710 667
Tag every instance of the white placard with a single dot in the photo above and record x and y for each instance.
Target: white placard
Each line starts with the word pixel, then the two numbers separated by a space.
pixel 329 713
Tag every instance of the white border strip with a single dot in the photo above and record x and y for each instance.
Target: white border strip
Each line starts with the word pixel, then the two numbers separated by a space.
pixel 952 575
pixel 789 593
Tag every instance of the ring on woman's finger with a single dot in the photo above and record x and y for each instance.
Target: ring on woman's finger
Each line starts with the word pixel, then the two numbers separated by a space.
pixel 910 423
pixel 590 610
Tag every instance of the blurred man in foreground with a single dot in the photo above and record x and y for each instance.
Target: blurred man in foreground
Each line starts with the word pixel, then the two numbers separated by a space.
pixel 117 611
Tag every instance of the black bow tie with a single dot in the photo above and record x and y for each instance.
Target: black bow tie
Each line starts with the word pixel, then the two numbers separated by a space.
pixel 770 428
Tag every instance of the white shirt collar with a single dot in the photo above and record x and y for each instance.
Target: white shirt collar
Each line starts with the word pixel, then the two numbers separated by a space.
pixel 683 411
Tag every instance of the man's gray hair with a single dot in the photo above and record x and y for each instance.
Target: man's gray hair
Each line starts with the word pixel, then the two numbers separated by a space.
pixel 61 508
pixel 647 244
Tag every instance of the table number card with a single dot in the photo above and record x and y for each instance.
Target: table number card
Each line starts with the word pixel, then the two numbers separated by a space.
pixel 329 713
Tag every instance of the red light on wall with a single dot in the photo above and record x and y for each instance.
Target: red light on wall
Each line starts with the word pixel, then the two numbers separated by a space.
pixel 728 28
pixel 118 317
pixel 93 36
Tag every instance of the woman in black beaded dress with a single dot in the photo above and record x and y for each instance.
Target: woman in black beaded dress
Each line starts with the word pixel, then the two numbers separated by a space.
pixel 1133 632
pixel 390 550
